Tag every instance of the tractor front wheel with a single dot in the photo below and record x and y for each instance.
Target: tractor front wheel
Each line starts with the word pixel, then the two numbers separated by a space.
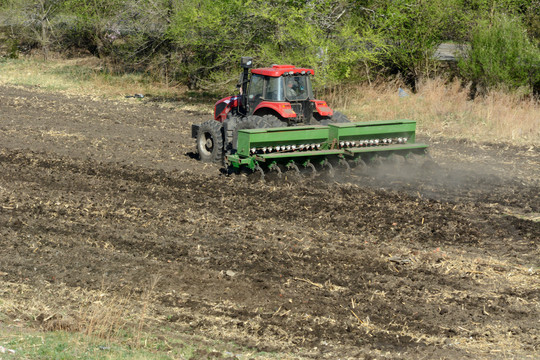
pixel 210 141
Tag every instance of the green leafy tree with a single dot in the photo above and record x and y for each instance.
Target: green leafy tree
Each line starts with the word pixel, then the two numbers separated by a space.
pixel 93 25
pixel 212 35
pixel 502 54
pixel 413 30
pixel 199 42
pixel 532 21
pixel 33 21
pixel 324 35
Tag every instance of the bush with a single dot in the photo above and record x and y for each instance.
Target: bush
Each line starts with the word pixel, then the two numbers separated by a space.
pixel 414 29
pixel 212 35
pixel 199 42
pixel 502 54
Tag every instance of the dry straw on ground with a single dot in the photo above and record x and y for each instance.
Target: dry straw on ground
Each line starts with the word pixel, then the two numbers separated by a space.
pixel 440 108
pixel 445 109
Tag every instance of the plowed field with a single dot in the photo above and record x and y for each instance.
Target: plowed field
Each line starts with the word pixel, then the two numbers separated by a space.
pixel 104 199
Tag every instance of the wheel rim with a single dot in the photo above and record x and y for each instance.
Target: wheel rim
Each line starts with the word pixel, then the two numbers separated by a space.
pixel 206 144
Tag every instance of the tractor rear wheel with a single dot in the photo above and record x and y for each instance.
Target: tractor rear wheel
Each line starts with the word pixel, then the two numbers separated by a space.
pixel 274 121
pixel 338 117
pixel 210 141
pixel 249 122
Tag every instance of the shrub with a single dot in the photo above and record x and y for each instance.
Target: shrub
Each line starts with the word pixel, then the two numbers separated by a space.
pixel 501 53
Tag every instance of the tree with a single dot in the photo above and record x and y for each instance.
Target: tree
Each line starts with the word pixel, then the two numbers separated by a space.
pixel 44 11
pixel 33 21
pixel 413 30
pixel 502 54
pixel 94 24
pixel 321 34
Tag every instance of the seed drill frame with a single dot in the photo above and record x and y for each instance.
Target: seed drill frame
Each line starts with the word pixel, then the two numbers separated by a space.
pixel 324 146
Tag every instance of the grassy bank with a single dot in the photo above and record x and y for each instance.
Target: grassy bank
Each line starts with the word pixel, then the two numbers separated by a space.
pixel 99 324
pixel 445 110
pixel 82 76
pixel 440 109
pixel 26 343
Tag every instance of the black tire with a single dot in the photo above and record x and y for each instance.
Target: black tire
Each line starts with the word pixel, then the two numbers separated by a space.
pixel 274 121
pixel 338 117
pixel 210 141
pixel 249 122
pixel 316 119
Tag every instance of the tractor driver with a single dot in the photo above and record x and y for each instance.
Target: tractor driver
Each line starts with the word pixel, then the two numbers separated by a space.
pixel 290 88
pixel 295 88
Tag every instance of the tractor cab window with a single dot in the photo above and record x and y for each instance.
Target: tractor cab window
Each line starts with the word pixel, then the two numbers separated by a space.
pixel 256 87
pixel 297 87
pixel 274 89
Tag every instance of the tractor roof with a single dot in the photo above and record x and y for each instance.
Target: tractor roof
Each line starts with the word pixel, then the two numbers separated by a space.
pixel 279 70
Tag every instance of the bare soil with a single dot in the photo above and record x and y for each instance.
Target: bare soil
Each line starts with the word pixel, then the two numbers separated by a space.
pixel 438 261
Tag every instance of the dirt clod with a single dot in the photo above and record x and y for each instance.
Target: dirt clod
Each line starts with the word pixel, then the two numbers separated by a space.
pixel 102 198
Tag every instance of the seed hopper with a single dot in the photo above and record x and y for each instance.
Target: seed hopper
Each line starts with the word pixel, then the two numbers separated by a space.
pixel 317 147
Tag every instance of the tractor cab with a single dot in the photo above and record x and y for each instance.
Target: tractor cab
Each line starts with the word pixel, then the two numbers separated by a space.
pixel 283 90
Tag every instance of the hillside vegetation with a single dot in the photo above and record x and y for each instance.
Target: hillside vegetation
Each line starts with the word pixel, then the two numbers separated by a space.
pixel 198 42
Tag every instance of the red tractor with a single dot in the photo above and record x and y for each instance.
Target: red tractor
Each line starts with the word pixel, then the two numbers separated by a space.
pixel 276 96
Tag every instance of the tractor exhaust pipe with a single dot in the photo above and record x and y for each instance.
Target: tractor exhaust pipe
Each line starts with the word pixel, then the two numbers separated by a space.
pixel 246 63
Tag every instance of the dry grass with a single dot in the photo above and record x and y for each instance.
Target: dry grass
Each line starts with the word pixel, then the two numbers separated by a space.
pixel 103 313
pixel 79 76
pixel 442 109
pixel 58 321
pixel 85 76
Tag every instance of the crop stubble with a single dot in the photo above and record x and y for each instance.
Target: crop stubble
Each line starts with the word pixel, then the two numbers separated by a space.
pixel 103 196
